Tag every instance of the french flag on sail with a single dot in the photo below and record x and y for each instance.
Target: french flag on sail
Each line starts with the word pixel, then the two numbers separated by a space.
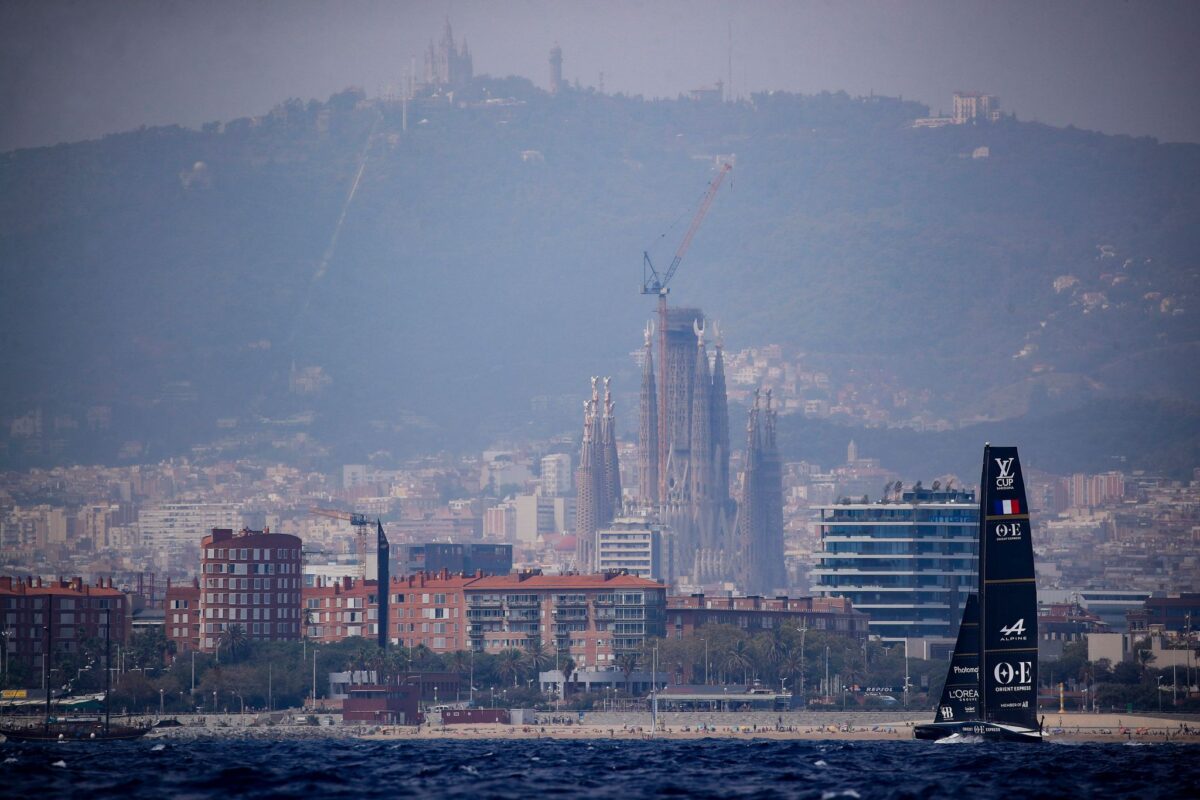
pixel 1007 506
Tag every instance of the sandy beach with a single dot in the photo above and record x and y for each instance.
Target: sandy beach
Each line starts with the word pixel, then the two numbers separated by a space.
pixel 1061 727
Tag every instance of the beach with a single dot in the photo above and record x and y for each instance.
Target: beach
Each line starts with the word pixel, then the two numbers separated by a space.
pixel 861 727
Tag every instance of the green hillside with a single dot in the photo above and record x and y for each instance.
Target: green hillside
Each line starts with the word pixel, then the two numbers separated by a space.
pixel 492 254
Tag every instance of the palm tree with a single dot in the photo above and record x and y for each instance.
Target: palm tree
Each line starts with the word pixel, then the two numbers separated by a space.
pixel 568 666
pixel 508 665
pixel 234 640
pixel 536 654
pixel 459 661
pixel 792 665
pixel 740 657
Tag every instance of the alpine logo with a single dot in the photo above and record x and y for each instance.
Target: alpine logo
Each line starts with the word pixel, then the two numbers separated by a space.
pixel 1006 674
pixel 1008 531
pixel 1016 630
pixel 1005 479
pixel 947 712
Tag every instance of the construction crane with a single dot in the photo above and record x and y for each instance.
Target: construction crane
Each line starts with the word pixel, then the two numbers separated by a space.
pixel 360 523
pixel 654 283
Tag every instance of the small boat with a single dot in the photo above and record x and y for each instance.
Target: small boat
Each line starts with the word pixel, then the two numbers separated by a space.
pixel 74 731
pixel 991 685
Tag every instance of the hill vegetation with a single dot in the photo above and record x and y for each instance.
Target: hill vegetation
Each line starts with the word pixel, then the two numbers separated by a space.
pixel 185 280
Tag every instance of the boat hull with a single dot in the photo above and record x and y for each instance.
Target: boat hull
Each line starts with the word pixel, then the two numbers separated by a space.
pixel 989 731
pixel 56 732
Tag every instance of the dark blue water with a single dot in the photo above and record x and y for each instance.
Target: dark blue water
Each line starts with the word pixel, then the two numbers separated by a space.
pixel 320 769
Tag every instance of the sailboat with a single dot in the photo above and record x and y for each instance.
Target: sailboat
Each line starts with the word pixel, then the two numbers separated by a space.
pixel 991 685
pixel 80 728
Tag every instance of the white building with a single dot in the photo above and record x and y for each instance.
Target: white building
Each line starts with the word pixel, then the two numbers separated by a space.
pixel 170 527
pixel 556 475
pixel 640 545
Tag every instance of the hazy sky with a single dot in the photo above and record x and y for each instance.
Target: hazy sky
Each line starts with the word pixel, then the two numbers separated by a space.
pixel 75 70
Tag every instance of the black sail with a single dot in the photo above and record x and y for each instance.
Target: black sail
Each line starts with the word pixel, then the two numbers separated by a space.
pixel 960 695
pixel 383 580
pixel 1008 594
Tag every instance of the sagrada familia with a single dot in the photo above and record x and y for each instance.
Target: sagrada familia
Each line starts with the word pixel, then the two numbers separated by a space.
pixel 683 465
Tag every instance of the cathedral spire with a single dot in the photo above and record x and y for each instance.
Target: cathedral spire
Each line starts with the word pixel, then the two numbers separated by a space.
pixel 648 465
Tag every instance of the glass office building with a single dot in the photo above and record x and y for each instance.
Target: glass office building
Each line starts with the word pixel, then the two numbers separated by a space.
pixel 908 563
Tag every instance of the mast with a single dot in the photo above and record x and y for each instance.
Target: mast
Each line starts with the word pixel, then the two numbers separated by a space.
pixel 980 574
pixel 107 664
pixel 49 653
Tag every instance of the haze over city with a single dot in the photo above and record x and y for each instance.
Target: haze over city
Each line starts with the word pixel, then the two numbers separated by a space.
pixel 495 398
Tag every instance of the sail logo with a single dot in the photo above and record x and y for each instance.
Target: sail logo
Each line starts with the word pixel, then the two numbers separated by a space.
pixel 1008 531
pixel 947 712
pixel 1006 674
pixel 1014 631
pixel 1005 479
pixel 964 694
pixel 965 670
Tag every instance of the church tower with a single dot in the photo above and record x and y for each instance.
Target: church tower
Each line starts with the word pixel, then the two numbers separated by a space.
pixel 760 512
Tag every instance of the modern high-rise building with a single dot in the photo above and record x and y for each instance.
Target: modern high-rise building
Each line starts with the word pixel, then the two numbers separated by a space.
pixel 908 563
pixel 251 579
pixel 759 559
pixel 684 446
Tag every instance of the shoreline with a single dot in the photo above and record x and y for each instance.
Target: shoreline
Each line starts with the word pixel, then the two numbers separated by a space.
pixel 1066 728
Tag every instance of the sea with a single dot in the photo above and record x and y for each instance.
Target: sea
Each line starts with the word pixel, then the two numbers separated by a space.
pixel 320 769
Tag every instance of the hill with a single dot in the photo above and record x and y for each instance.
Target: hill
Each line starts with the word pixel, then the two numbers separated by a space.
pixel 168 288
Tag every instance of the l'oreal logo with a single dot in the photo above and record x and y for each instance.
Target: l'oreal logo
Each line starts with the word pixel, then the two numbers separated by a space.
pixel 964 694
pixel 1005 479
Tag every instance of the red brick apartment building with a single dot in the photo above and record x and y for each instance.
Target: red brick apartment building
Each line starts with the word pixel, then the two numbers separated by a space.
pixel 182 616
pixel 595 618
pixel 64 612
pixel 335 610
pixel 430 610
pixel 687 613
pixel 251 579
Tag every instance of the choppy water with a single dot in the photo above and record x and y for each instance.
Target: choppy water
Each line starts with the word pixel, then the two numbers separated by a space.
pixel 220 768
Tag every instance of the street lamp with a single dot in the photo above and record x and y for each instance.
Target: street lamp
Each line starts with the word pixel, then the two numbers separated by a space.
pixel 1160 694
pixel 161 695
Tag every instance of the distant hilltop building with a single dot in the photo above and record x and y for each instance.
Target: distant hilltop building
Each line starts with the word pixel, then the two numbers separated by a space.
pixel 969 108
pixel 556 81
pixel 448 66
